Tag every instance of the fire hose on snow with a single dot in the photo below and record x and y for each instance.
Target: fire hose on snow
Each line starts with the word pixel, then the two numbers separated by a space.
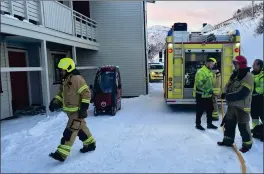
pixel 239 156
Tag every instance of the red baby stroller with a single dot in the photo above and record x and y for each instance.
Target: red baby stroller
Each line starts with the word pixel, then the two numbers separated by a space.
pixel 107 90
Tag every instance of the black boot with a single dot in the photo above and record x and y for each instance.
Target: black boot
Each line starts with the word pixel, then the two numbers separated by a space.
pixel 244 149
pixel 56 156
pixel 199 127
pixel 211 126
pixel 223 143
pixel 90 147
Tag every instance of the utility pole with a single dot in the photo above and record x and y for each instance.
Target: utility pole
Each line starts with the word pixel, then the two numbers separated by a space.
pixel 253 9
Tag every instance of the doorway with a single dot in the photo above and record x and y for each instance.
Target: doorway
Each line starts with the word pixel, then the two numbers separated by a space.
pixel 82 7
pixel 18 80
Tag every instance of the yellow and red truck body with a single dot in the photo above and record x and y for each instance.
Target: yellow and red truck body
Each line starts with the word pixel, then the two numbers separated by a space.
pixel 180 56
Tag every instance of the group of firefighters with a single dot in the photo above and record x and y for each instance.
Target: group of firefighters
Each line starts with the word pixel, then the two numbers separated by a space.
pixel 243 87
pixel 244 95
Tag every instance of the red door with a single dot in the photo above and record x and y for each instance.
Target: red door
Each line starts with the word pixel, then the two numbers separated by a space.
pixel 19 81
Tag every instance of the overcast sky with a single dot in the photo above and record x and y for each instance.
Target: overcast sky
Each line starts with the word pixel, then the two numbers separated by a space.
pixel 192 12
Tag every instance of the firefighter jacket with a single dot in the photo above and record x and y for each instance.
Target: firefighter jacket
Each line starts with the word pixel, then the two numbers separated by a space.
pixel 236 95
pixel 203 82
pixel 73 92
pixel 258 84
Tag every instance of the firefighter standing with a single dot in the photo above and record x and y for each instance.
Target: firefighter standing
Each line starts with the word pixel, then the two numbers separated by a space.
pixel 257 96
pixel 217 90
pixel 74 98
pixel 203 91
pixel 238 97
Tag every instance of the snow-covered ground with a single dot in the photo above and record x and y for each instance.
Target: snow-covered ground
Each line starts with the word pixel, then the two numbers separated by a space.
pixel 145 136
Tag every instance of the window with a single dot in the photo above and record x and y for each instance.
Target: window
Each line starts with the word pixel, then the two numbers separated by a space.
pixel 106 80
pixel 1 89
pixel 156 66
pixel 57 75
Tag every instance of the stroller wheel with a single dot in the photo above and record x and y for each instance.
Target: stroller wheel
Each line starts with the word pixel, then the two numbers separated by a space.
pixel 113 111
pixel 95 112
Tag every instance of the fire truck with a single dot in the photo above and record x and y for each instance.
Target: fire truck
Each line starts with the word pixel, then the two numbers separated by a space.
pixel 185 52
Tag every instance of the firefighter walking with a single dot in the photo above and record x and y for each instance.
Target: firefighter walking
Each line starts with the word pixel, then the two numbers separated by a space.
pixel 203 91
pixel 238 97
pixel 74 98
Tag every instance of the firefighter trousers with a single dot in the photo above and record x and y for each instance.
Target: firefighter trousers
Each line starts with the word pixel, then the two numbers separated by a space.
pixel 233 117
pixel 75 127
pixel 203 105
pixel 257 110
pixel 215 108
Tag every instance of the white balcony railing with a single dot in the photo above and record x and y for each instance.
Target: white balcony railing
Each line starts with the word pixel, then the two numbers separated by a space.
pixel 52 15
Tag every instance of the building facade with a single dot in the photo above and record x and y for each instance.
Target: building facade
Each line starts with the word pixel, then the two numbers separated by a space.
pixel 35 35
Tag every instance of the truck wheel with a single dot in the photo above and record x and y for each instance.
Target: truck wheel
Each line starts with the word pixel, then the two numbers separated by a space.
pixel 95 112
pixel 113 111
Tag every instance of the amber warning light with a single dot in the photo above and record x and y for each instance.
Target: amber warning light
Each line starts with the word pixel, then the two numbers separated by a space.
pixel 170 50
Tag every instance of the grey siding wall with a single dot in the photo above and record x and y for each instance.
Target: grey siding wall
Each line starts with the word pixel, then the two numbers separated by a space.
pixel 5 98
pixel 121 38
pixel 34 76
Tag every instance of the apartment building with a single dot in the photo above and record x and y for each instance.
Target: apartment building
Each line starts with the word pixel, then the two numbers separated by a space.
pixel 35 35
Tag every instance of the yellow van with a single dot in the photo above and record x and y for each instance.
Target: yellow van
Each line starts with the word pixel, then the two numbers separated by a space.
pixel 155 72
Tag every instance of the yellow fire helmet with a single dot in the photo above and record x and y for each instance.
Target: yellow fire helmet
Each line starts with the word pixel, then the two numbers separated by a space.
pixel 213 59
pixel 66 64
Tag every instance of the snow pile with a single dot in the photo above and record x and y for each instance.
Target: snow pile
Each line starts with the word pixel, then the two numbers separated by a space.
pixel 157 34
pixel 251 44
pixel 145 136
pixel 156 39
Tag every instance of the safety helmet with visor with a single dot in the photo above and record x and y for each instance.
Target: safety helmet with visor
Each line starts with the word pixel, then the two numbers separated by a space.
pixel 241 61
pixel 66 64
pixel 211 62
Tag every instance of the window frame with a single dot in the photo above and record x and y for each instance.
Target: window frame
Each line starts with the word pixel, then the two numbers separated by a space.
pixel 56 57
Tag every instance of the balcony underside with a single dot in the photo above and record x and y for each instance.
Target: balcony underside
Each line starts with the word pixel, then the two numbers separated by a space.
pixel 14 26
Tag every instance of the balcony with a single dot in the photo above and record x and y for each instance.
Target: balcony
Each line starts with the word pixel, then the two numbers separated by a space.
pixel 51 18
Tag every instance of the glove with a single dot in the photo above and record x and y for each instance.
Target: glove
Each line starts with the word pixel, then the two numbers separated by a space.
pixel 211 92
pixel 83 114
pixel 83 110
pixel 223 95
pixel 54 105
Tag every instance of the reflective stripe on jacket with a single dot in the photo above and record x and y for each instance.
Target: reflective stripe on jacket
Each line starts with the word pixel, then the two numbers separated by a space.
pixel 72 92
pixel 203 82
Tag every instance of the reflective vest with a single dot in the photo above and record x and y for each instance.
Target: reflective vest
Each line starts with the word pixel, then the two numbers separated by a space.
pixel 203 82
pixel 259 84
pixel 73 91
